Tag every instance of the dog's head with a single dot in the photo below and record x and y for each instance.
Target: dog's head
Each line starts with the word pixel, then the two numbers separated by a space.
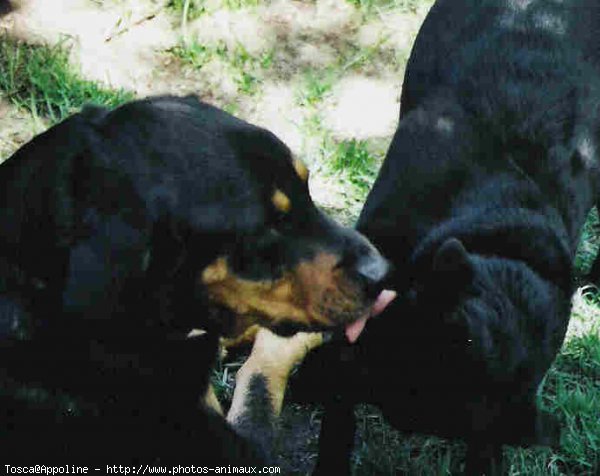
pixel 293 268
pixel 301 271
pixel 266 255
pixel 498 310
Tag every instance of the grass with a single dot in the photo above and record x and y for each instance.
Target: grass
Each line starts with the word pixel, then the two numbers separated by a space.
pixel 572 391
pixel 382 450
pixel 239 4
pixel 315 86
pixel 39 78
pixel 404 6
pixel 247 70
pixel 192 9
pixel 317 83
pixel 353 160
pixel 197 55
pixel 589 244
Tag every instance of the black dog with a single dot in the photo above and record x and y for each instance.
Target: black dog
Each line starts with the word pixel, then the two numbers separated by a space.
pixel 479 205
pixel 121 232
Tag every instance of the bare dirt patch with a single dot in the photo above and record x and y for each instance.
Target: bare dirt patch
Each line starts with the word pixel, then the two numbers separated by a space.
pixel 361 107
pixel 16 128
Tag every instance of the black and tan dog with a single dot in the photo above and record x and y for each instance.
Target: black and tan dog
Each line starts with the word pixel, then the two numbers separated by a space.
pixel 479 205
pixel 124 230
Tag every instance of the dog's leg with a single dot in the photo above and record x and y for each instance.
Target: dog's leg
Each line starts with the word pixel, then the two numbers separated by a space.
pixel 336 439
pixel 209 400
pixel 261 383
pixel 483 459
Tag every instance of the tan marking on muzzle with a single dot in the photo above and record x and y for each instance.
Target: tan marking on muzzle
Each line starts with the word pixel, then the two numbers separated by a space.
pixel 281 201
pixel 314 293
pixel 301 170
pixel 215 272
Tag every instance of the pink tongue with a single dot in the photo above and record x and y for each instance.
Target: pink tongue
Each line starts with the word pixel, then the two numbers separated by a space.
pixel 386 297
pixel 354 329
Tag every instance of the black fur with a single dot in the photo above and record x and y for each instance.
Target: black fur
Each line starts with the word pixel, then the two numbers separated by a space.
pixel 5 7
pixel 258 422
pixel 479 205
pixel 108 221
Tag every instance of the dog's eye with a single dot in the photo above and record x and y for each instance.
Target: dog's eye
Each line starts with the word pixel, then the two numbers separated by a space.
pixel 269 246
pixel 279 219
pixel 269 238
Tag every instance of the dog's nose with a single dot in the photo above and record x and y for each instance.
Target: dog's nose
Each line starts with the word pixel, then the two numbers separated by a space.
pixel 372 270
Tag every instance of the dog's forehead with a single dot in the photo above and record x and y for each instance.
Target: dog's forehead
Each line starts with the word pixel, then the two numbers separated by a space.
pixel 243 167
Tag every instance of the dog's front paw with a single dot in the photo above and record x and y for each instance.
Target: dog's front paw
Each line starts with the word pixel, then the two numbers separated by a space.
pixel 272 359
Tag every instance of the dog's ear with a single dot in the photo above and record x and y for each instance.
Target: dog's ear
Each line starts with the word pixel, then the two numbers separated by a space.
pixel 452 264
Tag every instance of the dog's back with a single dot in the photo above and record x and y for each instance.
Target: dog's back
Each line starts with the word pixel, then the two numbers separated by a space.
pixel 507 84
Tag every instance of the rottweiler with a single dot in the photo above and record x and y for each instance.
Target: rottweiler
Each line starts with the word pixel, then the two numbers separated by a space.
pixel 479 206
pixel 124 230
